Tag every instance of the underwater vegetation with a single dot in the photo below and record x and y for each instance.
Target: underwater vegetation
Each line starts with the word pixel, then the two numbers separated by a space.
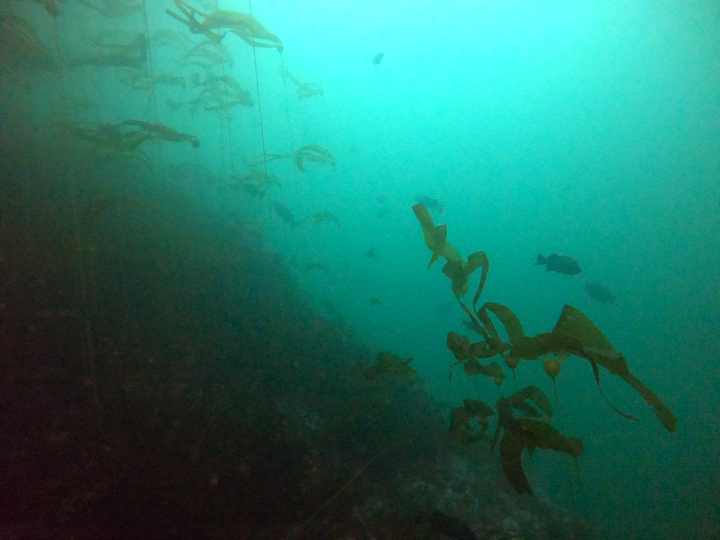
pixel 304 90
pixel 242 25
pixel 125 137
pixel 311 152
pixel 524 419
pixel 221 94
pixel 388 363
pixel 132 54
pixel 20 45
pixel 255 183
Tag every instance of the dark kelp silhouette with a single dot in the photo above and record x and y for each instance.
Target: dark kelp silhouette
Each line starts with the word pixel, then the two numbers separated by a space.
pixel 524 418
pixel 221 94
pixel 311 152
pixel 132 54
pixel 125 137
pixel 20 45
pixel 242 25
pixel 388 363
pixel 254 183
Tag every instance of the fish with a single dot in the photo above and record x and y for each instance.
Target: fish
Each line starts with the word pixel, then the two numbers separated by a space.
pixel 375 301
pixel 370 253
pixel 378 58
pixel 317 217
pixel 430 203
pixel 470 325
pixel 285 214
pixel 600 293
pixel 562 264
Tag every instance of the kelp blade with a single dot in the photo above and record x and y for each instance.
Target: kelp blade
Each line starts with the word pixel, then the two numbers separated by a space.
pixel 511 448
pixel 597 348
pixel 509 320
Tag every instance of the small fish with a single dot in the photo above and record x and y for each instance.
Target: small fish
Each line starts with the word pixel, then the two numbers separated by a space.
pixel 562 264
pixel 370 253
pixel 430 203
pixel 471 326
pixel 599 293
pixel 285 214
pixel 375 301
pixel 378 58
pixel 317 217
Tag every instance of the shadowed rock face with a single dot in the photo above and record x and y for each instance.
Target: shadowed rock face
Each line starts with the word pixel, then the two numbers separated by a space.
pixel 162 376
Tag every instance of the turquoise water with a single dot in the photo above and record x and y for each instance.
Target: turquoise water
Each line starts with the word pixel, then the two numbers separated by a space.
pixel 590 129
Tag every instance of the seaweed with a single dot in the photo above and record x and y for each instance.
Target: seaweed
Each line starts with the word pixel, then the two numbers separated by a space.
pixel 524 418
pixel 311 152
pixel 388 363
pixel 461 431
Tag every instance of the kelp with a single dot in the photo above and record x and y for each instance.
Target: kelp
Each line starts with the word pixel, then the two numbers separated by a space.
pixel 131 54
pixel 126 136
pixel 254 183
pixel 528 434
pixel 435 238
pixel 315 153
pixel 598 350
pixel 51 6
pixel 242 25
pixel 388 363
pixel 525 417
pixel 311 152
pixel 461 429
pixel 20 45
pixel 530 430
pixel 115 8
pixel 221 94
pixel 467 355
pixel 161 131
pixel 207 55
pixel 304 90
pixel 141 79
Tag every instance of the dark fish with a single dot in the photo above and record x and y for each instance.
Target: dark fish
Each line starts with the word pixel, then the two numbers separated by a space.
pixel 471 326
pixel 562 264
pixel 430 203
pixel 370 253
pixel 375 301
pixel 285 214
pixel 599 293
pixel 378 58
pixel 451 527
